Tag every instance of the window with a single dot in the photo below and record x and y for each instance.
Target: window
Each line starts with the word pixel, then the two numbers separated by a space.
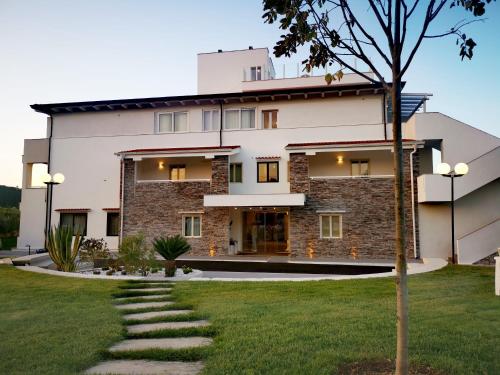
pixel 360 168
pixel 268 171
pixel 211 120
pixel 255 73
pixel 270 119
pixel 172 122
pixel 77 221
pixel 177 172
pixel 191 226
pixel 113 224
pixel 235 172
pixel 330 226
pixel 243 118
pixel 36 172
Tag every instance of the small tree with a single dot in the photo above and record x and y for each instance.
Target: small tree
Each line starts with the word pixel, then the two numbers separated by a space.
pixel 136 255
pixel 92 249
pixel 170 248
pixel 63 248
pixel 337 30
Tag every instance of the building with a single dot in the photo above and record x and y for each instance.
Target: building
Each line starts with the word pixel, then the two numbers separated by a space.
pixel 253 164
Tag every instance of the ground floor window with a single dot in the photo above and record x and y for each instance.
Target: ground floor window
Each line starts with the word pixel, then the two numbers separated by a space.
pixel 77 221
pixel 330 226
pixel 113 224
pixel 191 226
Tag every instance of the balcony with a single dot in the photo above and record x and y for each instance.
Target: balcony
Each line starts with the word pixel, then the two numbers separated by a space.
pixel 173 169
pixel 351 164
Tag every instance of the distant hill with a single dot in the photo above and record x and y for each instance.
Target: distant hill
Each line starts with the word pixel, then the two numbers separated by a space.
pixel 9 196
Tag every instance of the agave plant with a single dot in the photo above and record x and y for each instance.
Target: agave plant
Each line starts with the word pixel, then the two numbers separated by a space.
pixel 62 248
pixel 170 248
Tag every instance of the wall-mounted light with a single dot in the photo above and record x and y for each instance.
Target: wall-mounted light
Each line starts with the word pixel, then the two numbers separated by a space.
pixel 161 165
pixel 340 159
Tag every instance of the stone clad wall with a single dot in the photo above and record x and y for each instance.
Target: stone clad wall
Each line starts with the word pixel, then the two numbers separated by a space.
pixel 299 173
pixel 156 209
pixel 367 217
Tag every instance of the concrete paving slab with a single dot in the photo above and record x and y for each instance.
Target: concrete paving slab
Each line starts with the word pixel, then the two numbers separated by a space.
pixel 151 327
pixel 156 314
pixel 163 343
pixel 148 289
pixel 142 367
pixel 151 296
pixel 143 305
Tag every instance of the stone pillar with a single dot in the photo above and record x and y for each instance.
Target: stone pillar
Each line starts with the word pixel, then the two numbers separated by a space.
pixel 299 173
pixel 220 175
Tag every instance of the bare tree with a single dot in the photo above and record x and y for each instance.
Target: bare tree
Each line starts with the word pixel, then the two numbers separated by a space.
pixel 336 31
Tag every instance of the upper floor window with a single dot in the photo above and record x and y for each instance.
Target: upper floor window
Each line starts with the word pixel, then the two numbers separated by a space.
pixel 211 120
pixel 77 221
pixel 360 168
pixel 240 118
pixel 172 122
pixel 235 172
pixel 270 119
pixel 255 73
pixel 268 171
pixel 177 172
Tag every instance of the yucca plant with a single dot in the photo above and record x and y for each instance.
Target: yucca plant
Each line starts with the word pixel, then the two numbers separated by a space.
pixel 170 248
pixel 62 248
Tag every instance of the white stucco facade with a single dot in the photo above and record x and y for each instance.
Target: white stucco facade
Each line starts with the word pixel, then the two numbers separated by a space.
pixel 84 147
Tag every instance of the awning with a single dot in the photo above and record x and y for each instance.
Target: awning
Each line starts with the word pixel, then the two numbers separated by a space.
pixel 254 200
pixel 206 151
pixel 72 210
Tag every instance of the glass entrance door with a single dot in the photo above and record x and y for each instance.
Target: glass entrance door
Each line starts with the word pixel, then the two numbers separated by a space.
pixel 265 232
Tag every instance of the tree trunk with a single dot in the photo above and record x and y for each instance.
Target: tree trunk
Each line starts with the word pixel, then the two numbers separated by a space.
pixel 399 211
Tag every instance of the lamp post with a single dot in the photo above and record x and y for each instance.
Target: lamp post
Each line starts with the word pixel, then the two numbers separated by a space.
pixel 445 170
pixel 50 181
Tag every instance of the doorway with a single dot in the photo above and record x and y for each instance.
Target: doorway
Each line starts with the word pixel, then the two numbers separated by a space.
pixel 265 232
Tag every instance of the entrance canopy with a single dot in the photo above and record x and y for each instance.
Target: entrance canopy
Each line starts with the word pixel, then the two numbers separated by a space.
pixel 254 200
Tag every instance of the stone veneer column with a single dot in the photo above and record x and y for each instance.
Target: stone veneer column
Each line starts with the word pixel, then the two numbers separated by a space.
pixel 299 173
pixel 220 175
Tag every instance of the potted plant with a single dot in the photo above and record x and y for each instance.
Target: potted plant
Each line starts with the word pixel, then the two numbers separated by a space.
pixel 170 248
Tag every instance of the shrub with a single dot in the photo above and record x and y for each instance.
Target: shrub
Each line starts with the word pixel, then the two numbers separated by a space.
pixel 92 249
pixel 170 248
pixel 135 255
pixel 186 270
pixel 62 248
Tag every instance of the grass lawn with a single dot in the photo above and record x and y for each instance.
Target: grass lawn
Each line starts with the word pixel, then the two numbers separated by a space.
pixel 51 325
pixel 54 325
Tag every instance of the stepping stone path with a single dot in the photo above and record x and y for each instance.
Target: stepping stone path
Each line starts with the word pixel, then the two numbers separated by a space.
pixel 143 325
pixel 152 296
pixel 143 305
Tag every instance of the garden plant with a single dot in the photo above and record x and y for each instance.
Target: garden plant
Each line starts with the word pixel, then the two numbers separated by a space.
pixel 170 248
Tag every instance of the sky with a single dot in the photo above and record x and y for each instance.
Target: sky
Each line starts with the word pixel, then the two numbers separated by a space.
pixel 62 51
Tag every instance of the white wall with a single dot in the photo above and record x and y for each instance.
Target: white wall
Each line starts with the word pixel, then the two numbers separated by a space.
pixel 223 72
pixel 471 212
pixel 32 223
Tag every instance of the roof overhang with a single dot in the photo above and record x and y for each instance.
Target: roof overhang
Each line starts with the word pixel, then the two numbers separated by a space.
pixel 254 200
pixel 365 145
pixel 206 152
pixel 285 94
